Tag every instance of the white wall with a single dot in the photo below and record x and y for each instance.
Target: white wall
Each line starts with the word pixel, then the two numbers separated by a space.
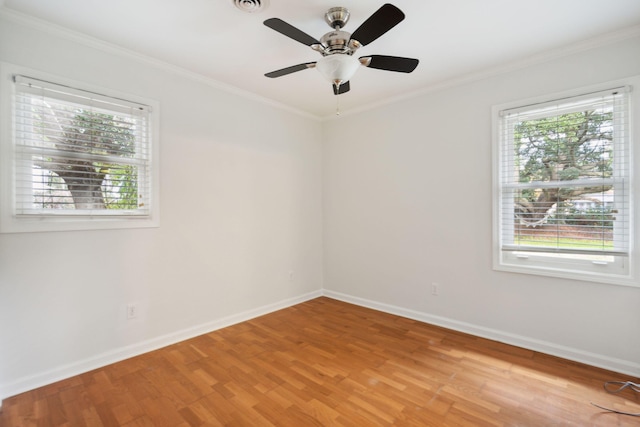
pixel 240 210
pixel 408 201
pixel 245 189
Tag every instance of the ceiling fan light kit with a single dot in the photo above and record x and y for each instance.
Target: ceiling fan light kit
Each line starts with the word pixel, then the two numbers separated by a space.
pixel 338 68
pixel 338 65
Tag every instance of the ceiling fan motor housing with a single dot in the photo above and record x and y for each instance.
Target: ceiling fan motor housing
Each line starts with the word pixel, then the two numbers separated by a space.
pixel 336 42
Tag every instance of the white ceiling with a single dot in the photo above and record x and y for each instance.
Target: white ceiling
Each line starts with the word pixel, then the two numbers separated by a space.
pixel 451 38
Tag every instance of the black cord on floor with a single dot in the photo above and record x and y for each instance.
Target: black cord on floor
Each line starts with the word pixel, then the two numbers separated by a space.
pixel 621 386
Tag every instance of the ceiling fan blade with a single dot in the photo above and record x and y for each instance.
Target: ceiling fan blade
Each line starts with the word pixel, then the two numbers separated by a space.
pixel 290 31
pixel 390 63
pixel 289 70
pixel 382 20
pixel 343 88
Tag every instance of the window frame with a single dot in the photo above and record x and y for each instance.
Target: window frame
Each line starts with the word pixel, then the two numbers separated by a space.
pixel 10 220
pixel 617 269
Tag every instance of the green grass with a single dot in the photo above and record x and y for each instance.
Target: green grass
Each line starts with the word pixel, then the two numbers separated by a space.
pixel 563 242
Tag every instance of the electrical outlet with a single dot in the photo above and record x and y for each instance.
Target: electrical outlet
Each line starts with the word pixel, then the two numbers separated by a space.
pixel 132 311
pixel 435 289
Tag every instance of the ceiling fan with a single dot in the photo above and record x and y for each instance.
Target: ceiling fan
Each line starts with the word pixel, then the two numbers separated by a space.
pixel 337 47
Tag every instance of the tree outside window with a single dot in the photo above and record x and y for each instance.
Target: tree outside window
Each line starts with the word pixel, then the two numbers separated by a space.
pixel 563 178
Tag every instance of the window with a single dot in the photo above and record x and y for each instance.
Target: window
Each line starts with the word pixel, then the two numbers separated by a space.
pixel 563 186
pixel 80 159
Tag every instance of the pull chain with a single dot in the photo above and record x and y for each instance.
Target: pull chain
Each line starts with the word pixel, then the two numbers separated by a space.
pixel 336 89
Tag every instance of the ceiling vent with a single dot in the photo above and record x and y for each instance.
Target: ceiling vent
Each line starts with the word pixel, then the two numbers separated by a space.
pixel 251 6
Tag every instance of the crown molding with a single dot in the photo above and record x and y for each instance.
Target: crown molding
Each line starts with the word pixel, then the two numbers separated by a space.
pixel 95 43
pixel 574 48
pixel 549 55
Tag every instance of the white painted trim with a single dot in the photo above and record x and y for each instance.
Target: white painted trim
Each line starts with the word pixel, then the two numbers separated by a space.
pixel 78 367
pixel 536 264
pixel 617 365
pixel 81 366
pixel 39 24
pixel 83 39
pixel 9 223
pixel 592 43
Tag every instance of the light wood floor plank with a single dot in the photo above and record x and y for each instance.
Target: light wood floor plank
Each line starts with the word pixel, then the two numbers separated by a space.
pixel 329 363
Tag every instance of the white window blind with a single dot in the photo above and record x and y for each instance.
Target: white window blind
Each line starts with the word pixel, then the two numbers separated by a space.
pixel 79 153
pixel 564 182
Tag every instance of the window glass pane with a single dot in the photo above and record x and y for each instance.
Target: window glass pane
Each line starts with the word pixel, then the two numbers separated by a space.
pixel 561 189
pixel 565 147
pixel 77 156
pixel 555 217
pixel 563 182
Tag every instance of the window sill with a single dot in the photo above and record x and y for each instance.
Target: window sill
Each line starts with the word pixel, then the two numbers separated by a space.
pixel 10 224
pixel 605 277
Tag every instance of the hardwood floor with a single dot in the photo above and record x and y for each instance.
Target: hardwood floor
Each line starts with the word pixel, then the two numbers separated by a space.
pixel 328 363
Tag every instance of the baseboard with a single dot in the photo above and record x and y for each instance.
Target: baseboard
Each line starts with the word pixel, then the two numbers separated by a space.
pixel 81 366
pixel 617 365
pixel 62 372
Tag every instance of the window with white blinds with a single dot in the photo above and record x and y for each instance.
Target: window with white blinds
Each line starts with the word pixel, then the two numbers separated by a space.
pixel 563 202
pixel 78 155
